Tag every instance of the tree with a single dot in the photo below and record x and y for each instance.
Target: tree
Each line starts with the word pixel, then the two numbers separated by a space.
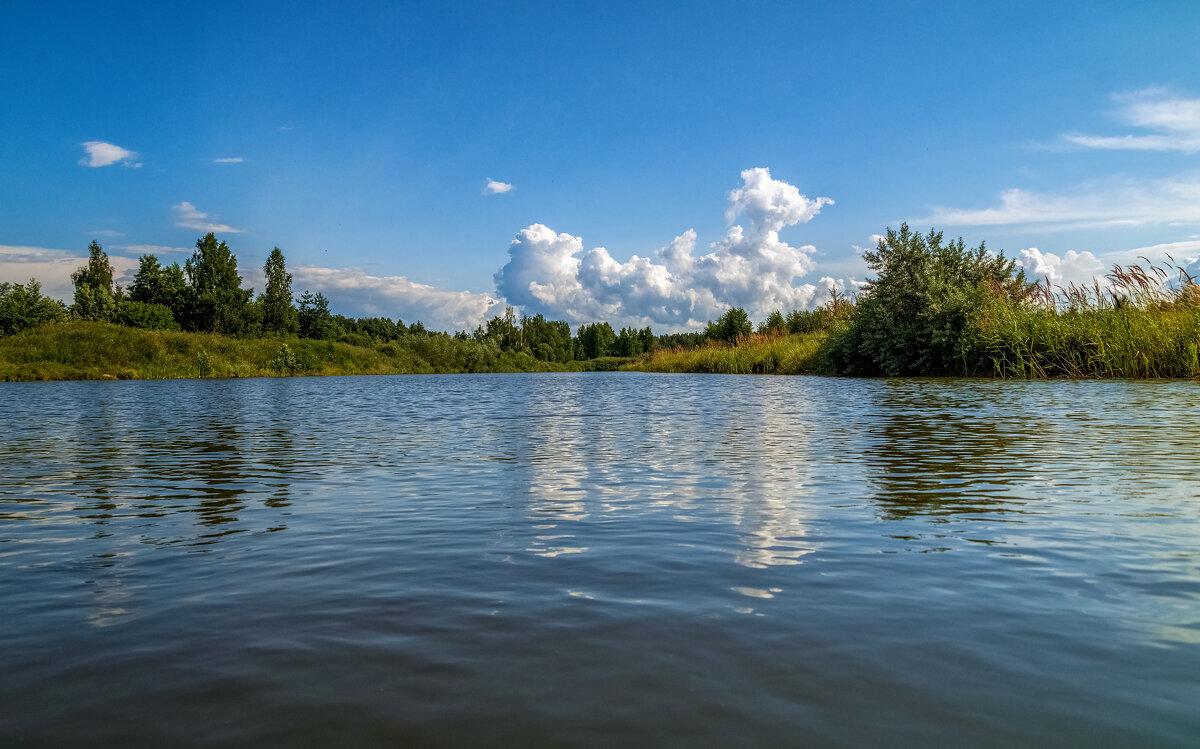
pixel 278 314
pixel 595 340
pixel 314 318
pixel 920 315
pixel 93 303
pixel 774 324
pixel 160 285
pixel 731 326
pixel 217 299
pixel 98 272
pixel 94 294
pixel 22 306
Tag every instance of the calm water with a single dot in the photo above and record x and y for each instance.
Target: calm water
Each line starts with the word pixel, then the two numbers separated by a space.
pixel 599 560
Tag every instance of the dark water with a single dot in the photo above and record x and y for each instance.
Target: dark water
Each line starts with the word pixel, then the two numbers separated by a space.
pixel 599 560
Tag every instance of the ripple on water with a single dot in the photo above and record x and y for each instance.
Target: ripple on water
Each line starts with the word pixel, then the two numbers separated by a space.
pixel 601 558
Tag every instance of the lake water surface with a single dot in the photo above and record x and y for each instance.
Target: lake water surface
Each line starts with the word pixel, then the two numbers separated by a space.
pixel 599 560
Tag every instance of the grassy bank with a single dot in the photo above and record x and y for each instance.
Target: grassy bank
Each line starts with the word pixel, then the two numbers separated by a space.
pixel 83 350
pixel 1010 341
pixel 757 354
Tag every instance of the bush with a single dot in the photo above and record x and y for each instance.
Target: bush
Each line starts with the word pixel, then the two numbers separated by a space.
pixel 731 326
pixel 921 315
pixel 23 306
pixel 285 361
pixel 146 315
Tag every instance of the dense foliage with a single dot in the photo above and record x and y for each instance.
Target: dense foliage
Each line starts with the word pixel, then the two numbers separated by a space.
pixel 23 306
pixel 921 315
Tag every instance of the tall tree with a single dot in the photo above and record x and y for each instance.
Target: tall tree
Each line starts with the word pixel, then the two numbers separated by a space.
pixel 314 317
pixel 98 272
pixel 217 299
pixel 279 316
pixel 159 284
pixel 94 299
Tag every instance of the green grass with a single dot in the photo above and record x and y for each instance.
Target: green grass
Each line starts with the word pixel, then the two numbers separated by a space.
pixel 1126 342
pixel 81 350
pixel 788 354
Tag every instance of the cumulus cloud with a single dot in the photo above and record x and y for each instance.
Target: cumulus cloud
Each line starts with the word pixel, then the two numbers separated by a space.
pixel 1175 121
pixel 1111 203
pixel 229 160
pixel 1080 268
pixel 100 153
pixel 354 291
pixel 189 217
pixel 495 188
pixel 749 267
pixel 53 268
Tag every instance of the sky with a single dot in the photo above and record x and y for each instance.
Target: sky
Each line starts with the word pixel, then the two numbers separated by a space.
pixel 642 163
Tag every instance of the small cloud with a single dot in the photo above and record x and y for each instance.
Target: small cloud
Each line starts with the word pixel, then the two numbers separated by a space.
pixel 100 153
pixel 496 188
pixel 1097 204
pixel 229 160
pixel 188 217
pixel 875 239
pixel 1081 268
pixel 285 128
pixel 106 233
pixel 1175 120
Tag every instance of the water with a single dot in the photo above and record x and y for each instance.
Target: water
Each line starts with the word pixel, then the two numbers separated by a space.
pixel 599 560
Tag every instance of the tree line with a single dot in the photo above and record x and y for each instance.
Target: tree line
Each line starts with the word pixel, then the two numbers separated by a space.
pixel 205 294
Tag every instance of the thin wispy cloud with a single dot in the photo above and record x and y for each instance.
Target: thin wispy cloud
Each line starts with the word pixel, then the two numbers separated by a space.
pixel 187 216
pixel 100 154
pixel 229 160
pixel 496 188
pixel 1109 203
pixel 150 249
pixel 105 233
pixel 1174 123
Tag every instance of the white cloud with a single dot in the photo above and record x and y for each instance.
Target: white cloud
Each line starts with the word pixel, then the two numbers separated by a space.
pixel 188 217
pixel 496 188
pixel 100 153
pixel 53 268
pixel 352 291
pixel 1110 203
pixel 1176 120
pixel 1080 268
pixel 106 233
pixel 229 160
pixel 750 267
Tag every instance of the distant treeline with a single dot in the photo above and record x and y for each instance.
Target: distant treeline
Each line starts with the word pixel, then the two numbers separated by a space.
pixel 205 295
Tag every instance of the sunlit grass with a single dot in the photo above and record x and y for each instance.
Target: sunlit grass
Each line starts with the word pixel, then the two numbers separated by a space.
pixel 1135 328
pixel 82 350
pixel 756 354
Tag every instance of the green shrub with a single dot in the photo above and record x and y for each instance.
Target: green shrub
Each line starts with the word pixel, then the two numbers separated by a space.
pixel 146 315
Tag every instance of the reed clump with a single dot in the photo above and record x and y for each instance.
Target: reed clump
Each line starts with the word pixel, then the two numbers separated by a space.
pixel 1144 323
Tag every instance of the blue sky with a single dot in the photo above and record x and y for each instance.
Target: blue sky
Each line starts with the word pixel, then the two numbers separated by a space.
pixel 367 136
